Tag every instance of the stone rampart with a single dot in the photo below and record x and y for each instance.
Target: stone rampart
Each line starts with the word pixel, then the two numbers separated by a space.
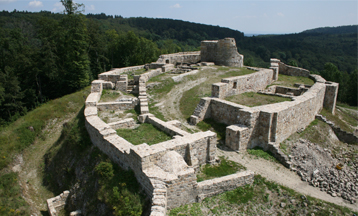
pixel 240 84
pixel 216 186
pixel 221 52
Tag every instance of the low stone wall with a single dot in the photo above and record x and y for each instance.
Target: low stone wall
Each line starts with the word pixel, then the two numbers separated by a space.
pixel 219 185
pixel 114 74
pixel 240 84
pixel 292 71
pixel 342 135
pixel 165 126
pixel 126 123
pixel 121 105
pixel 181 57
pixel 56 204
pixel 181 76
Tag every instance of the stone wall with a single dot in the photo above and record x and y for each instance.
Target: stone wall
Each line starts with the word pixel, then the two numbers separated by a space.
pixel 240 84
pixel 291 70
pixel 342 135
pixel 175 58
pixel 261 125
pixel 120 105
pixel 221 52
pixel 216 186
pixel 114 74
pixel 125 123
pixel 166 171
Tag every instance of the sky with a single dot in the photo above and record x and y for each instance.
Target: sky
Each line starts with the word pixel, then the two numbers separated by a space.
pixel 250 17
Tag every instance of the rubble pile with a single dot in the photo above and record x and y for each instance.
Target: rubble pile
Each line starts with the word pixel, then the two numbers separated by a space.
pixel 317 166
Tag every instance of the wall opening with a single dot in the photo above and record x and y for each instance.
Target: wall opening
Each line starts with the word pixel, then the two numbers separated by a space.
pixel 167 61
pixel 235 85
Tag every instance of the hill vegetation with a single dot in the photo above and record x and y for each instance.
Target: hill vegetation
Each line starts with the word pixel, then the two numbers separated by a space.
pixel 46 55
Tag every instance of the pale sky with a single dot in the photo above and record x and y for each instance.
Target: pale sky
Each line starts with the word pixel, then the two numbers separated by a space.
pixel 259 17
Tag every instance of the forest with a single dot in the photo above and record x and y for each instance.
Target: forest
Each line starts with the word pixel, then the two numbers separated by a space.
pixel 45 55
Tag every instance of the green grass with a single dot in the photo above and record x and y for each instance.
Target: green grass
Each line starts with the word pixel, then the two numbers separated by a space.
pixel 316 132
pixel 11 201
pixel 17 136
pixel 163 89
pixel 224 168
pixel 259 152
pixel 336 120
pixel 346 106
pixel 289 81
pixel 263 197
pixel 210 124
pixel 145 133
pixel 252 99
pixel 348 116
pixel 109 95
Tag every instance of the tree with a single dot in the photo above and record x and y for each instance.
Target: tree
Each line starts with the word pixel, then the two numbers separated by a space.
pixel 72 8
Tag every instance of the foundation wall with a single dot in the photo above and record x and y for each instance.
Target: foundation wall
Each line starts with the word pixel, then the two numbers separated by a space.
pixel 219 185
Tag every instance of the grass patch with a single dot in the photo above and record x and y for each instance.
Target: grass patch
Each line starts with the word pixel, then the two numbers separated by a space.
pixel 224 168
pixel 259 152
pixel 11 201
pixel 109 95
pixel 347 106
pixel 163 89
pixel 17 136
pixel 289 81
pixel 145 133
pixel 252 99
pixel 316 132
pixel 336 120
pixel 350 117
pixel 191 98
pixel 263 197
pixel 210 124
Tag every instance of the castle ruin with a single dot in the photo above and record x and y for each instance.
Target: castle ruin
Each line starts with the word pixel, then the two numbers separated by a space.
pixel 167 170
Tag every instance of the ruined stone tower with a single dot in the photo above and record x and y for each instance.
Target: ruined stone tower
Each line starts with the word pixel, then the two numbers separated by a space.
pixel 221 52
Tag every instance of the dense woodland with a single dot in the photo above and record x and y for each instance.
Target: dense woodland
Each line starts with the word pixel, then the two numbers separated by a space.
pixel 46 55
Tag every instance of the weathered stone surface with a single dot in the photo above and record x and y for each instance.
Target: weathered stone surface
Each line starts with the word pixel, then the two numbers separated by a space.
pixel 221 52
pixel 56 204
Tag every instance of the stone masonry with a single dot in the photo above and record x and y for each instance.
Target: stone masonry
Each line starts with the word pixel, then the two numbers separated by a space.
pixel 166 171
pixel 221 52
pixel 267 125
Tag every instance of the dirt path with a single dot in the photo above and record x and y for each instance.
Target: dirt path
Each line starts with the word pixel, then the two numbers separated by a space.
pixel 280 174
